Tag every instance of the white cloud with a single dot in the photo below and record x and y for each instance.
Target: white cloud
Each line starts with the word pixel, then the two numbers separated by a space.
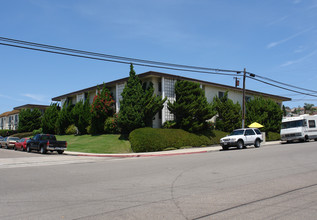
pixel 291 62
pixel 274 44
pixel 36 97
pixel 10 98
pixel 279 20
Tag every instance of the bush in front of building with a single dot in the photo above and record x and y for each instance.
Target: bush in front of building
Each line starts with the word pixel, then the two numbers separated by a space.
pixel 102 107
pixel 156 139
pixel 23 134
pixel 111 125
pixel 273 136
pixel 37 131
pixel 72 129
pixel 6 132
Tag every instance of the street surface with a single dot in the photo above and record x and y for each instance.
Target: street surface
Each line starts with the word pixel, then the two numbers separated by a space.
pixel 272 182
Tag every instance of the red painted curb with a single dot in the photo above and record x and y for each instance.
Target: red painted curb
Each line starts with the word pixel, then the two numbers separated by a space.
pixel 137 155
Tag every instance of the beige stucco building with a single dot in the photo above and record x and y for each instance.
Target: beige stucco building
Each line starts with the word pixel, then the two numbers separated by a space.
pixel 164 86
pixel 10 120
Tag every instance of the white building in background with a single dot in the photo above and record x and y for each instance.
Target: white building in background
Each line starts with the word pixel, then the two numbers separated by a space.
pixel 164 86
pixel 10 120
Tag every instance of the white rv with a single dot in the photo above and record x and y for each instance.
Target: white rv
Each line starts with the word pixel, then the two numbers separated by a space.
pixel 302 128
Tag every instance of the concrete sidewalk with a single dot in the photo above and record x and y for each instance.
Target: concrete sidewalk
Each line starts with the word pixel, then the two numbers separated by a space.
pixel 195 150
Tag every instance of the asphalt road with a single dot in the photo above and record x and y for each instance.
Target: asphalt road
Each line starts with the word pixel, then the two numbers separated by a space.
pixel 272 182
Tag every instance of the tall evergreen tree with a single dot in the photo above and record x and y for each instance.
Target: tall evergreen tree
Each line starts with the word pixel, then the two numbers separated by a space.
pixel 84 118
pixel 29 120
pixel 131 114
pixel 81 116
pixel 229 114
pixel 64 118
pixel 49 119
pixel 152 104
pixel 191 109
pixel 266 112
pixel 101 108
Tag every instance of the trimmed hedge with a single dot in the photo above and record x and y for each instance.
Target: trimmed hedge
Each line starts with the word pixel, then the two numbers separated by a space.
pixel 23 134
pixel 156 139
pixel 273 136
pixel 6 132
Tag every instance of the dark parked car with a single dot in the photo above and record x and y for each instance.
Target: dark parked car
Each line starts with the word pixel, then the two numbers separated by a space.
pixel 44 143
pixel 21 144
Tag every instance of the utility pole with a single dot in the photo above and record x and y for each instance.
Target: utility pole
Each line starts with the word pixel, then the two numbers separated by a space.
pixel 243 98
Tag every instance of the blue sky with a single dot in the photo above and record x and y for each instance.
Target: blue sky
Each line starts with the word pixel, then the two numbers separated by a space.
pixel 275 39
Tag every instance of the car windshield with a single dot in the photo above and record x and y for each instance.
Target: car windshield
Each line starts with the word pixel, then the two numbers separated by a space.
pixel 14 138
pixel 237 132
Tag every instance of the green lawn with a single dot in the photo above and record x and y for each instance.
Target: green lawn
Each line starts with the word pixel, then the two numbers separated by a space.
pixel 106 143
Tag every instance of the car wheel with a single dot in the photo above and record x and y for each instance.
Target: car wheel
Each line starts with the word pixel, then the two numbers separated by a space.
pixel 306 138
pixel 240 144
pixel 224 147
pixel 28 149
pixel 42 150
pixel 257 143
pixel 6 147
pixel 14 148
pixel 60 151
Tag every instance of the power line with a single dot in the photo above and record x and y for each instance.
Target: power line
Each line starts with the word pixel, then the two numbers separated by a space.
pixel 112 56
pixel 115 61
pixel 142 62
pixel 282 87
pixel 285 84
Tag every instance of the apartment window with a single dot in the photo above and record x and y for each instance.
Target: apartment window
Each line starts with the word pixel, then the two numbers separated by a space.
pixel 311 124
pixel 221 94
pixel 160 86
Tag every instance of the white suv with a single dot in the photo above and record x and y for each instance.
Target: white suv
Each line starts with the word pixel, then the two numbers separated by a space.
pixel 241 138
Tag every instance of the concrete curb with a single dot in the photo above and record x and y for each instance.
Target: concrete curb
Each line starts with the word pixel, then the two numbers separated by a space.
pixel 161 153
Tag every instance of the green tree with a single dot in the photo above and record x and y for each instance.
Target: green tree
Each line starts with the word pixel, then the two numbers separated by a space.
pixel 308 108
pixel 29 120
pixel 49 119
pixel 64 118
pixel 81 116
pixel 152 104
pixel 191 109
pixel 229 114
pixel 266 112
pixel 101 108
pixel 131 114
pixel 139 104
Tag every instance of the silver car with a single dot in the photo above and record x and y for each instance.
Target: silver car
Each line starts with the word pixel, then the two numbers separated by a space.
pixel 8 142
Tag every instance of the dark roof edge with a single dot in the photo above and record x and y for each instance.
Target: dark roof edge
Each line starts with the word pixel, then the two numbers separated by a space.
pixel 149 73
pixel 31 106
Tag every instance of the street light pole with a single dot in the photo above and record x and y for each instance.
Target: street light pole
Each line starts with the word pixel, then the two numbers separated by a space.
pixel 243 98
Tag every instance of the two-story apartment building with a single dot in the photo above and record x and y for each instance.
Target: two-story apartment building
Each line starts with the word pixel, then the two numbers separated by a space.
pixel 10 120
pixel 164 86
